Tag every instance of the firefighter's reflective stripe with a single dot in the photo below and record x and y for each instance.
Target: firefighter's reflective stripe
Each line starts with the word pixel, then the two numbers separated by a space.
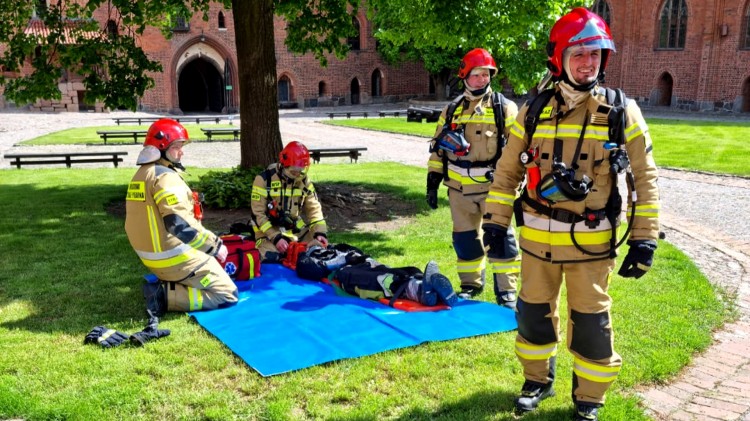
pixel 105 335
pixel 633 131
pixel 468 175
pixel 153 228
pixel 509 119
pixel 267 226
pixel 506 267
pixel 288 191
pixel 300 224
pixel 543 224
pixel 258 192
pixel 536 352
pixel 199 240
pixel 650 211
pixel 435 164
pixel 195 298
pixel 169 258
pixel 545 131
pixel 517 129
pixel 571 131
pixel 487 117
pixel 564 238
pixel 593 372
pixel 500 198
pixel 168 194
pixel 470 266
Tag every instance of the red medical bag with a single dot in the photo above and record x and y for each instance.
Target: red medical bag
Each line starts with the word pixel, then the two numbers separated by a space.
pixel 243 258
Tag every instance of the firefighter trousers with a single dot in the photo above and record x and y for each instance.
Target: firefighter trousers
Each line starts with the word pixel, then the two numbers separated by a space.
pixel 207 288
pixel 589 330
pixel 466 213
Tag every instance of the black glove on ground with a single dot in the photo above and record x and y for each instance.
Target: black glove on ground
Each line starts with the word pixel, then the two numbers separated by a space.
pixel 639 259
pixel 151 331
pixel 107 338
pixel 433 184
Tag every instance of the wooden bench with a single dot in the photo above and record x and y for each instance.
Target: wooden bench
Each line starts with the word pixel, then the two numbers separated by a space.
pixel 121 134
pixel 395 113
pixel 235 133
pixel 140 120
pixel 348 114
pixel 68 158
pixel 352 153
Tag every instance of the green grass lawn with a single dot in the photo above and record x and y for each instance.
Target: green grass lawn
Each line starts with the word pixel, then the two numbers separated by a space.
pixel 87 135
pixel 67 267
pixel 716 147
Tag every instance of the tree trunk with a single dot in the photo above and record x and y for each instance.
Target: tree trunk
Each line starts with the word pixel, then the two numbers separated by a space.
pixel 260 138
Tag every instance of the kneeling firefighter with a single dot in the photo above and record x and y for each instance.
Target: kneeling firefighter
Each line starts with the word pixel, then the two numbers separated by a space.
pixel 573 142
pixel 469 139
pixel 281 195
pixel 163 225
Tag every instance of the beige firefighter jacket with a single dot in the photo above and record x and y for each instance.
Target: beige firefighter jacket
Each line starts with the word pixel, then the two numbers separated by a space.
pixel 481 133
pixel 295 198
pixel 551 240
pixel 161 225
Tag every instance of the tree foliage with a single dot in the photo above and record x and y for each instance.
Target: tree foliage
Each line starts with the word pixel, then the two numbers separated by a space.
pixel 439 33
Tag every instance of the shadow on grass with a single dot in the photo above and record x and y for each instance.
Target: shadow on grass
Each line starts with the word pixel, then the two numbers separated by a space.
pixel 479 406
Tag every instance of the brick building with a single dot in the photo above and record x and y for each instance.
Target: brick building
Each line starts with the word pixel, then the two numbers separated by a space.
pixel 685 54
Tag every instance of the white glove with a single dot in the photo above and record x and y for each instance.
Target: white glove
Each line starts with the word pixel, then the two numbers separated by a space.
pixel 221 255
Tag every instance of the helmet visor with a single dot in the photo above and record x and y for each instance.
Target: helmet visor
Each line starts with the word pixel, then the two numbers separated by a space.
pixel 296 171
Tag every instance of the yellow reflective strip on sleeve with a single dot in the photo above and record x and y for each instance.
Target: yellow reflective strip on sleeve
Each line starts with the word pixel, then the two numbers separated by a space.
pixel 598 133
pixel 501 198
pixel 563 238
pixel 161 194
pixel 259 190
pixel 153 229
pixel 434 164
pixel 632 132
pixel 311 188
pixel 517 129
pixel 645 210
pixel 506 267
pixel 136 191
pixel 536 352
pixel 509 120
pixel 300 224
pixel 265 227
pixel 105 335
pixel 595 373
pixel 317 221
pixel 199 240
pixel 195 298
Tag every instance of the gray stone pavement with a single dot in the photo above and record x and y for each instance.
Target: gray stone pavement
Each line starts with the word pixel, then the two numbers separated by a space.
pixel 706 216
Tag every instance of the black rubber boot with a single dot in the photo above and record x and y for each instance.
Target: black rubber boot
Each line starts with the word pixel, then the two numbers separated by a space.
pixel 156 298
pixel 507 299
pixel 531 394
pixel 440 284
pixel 586 412
pixel 469 292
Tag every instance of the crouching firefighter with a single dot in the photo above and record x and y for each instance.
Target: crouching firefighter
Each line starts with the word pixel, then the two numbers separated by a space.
pixel 573 142
pixel 163 226
pixel 281 195
pixel 469 139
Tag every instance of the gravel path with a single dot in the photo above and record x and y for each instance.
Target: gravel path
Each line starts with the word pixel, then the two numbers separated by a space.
pixel 706 216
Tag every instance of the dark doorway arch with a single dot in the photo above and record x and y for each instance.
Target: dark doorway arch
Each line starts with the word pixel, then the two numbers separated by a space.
pixel 285 89
pixel 665 90
pixel 200 87
pixel 376 85
pixel 746 96
pixel 355 91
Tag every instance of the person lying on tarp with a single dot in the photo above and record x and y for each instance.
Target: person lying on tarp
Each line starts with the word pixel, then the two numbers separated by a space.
pixel 282 195
pixel 360 275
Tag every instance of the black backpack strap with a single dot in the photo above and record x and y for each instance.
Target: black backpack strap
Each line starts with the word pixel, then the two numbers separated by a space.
pixel 498 107
pixel 536 105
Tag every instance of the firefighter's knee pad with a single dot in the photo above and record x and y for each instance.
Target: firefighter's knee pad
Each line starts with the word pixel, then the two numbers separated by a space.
pixel 592 335
pixel 533 323
pixel 467 245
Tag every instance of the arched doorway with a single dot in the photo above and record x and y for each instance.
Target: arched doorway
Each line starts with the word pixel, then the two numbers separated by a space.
pixel 746 96
pixel 354 90
pixel 285 89
pixel 665 90
pixel 376 84
pixel 200 87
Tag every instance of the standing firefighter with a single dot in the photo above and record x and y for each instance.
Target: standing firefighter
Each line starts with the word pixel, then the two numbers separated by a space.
pixel 574 142
pixel 281 194
pixel 470 136
pixel 163 226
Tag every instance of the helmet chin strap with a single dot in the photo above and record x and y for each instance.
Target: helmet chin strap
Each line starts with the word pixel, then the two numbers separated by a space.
pixel 477 92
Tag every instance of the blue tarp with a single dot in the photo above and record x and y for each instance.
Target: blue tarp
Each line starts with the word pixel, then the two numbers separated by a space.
pixel 283 323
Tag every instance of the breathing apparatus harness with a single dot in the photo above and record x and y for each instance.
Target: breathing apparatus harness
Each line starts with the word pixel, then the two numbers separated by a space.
pixel 277 210
pixel 562 183
pixel 451 138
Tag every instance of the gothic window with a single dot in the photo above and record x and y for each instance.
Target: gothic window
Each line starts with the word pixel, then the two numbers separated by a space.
pixel 673 24
pixel 601 8
pixel 222 22
pixel 745 41
pixel 354 41
pixel 112 28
